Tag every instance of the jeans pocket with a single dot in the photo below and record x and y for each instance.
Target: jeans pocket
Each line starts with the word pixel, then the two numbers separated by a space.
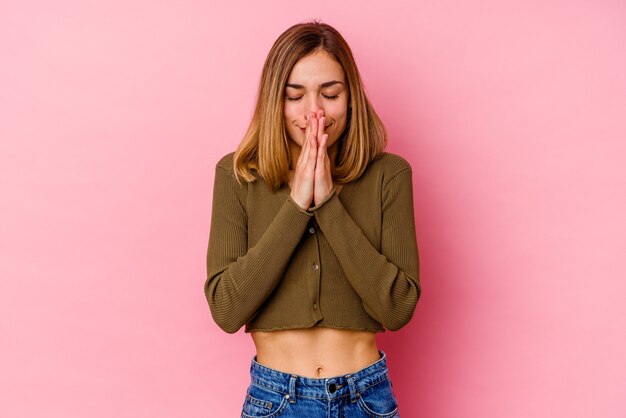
pixel 379 401
pixel 262 402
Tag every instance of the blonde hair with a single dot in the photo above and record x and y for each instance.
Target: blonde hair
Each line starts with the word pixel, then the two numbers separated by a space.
pixel 265 146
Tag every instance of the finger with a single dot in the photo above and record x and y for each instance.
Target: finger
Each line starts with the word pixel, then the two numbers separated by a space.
pixel 305 142
pixel 306 152
pixel 308 130
pixel 308 127
pixel 301 159
pixel 322 144
pixel 322 154
pixel 314 126
pixel 327 165
pixel 312 137
pixel 320 129
pixel 313 145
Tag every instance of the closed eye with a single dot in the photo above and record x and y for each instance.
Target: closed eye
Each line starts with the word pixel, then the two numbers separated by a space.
pixel 293 99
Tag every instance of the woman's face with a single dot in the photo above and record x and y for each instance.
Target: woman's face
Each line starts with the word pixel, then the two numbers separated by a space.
pixel 316 82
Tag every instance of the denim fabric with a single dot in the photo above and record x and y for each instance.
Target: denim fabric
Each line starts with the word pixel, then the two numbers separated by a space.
pixel 367 393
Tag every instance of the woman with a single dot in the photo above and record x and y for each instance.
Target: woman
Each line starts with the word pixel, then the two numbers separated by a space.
pixel 312 244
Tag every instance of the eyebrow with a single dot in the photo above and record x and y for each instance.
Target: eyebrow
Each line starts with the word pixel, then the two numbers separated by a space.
pixel 323 85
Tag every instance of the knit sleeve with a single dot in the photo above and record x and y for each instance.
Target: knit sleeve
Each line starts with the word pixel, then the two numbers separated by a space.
pixel 387 281
pixel 239 279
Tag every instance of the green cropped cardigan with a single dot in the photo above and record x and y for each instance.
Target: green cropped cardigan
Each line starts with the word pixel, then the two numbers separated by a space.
pixel 350 262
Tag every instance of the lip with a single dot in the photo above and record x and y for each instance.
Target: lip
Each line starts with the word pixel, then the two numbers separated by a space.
pixel 325 127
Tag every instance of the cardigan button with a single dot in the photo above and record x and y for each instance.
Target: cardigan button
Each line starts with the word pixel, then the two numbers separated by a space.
pixel 315 266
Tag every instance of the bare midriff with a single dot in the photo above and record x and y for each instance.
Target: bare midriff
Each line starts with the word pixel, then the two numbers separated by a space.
pixel 317 352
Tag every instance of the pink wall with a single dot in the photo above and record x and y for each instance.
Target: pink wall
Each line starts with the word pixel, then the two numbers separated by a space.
pixel 113 115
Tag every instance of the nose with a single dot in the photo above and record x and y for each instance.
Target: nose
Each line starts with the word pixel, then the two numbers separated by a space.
pixel 314 105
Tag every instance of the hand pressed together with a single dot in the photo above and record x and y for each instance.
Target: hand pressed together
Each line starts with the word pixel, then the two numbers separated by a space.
pixel 312 180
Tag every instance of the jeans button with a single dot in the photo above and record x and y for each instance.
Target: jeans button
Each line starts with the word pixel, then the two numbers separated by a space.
pixel 332 388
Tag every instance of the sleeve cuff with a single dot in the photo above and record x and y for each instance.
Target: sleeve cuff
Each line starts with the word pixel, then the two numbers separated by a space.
pixel 326 199
pixel 298 207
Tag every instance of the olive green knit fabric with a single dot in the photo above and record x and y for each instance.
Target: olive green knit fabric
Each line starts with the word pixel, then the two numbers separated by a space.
pixel 349 262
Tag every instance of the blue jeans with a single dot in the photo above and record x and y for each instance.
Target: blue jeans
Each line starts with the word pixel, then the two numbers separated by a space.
pixel 367 393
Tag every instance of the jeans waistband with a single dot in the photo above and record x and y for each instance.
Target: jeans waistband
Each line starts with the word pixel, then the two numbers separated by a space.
pixel 294 386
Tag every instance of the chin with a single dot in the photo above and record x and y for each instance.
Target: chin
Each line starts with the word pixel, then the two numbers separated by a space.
pixel 334 143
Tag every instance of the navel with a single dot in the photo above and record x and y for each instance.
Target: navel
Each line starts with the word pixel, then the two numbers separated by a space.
pixel 318 371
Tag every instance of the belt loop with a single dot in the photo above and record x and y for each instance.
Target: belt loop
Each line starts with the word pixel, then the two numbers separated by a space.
pixel 353 391
pixel 292 388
